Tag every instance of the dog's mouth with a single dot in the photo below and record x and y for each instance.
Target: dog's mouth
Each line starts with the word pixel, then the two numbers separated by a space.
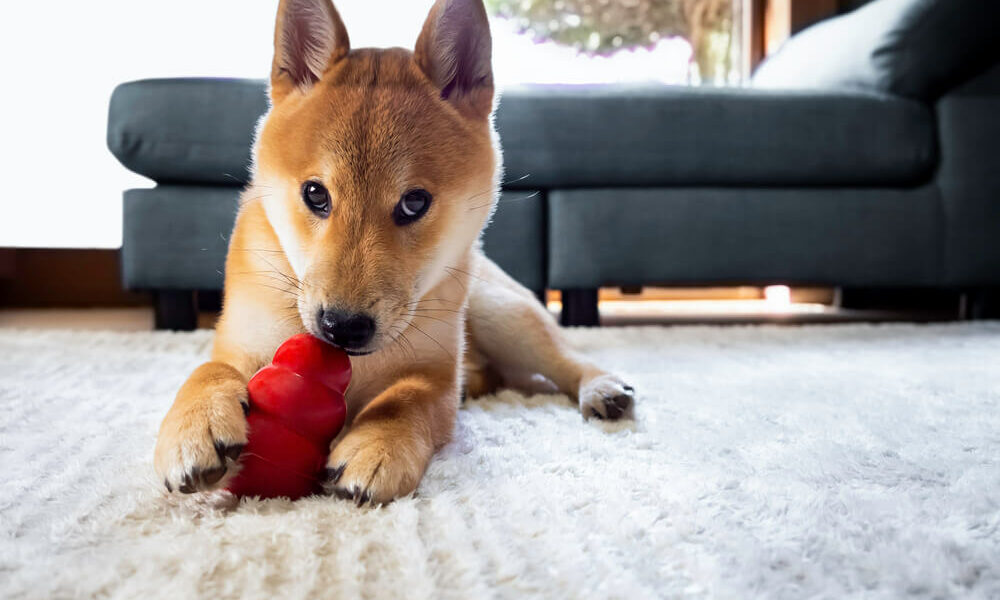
pixel 361 351
pixel 350 352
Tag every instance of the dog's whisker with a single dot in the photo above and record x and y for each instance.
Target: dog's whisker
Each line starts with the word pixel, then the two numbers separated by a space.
pixel 241 181
pixel 276 288
pixel 466 273
pixel 408 348
pixel 271 275
pixel 255 250
pixel 429 300
pixel 428 336
pixel 279 271
pixel 442 300
pixel 457 280
pixel 399 338
pixel 416 316
pixel 528 197
pixel 521 178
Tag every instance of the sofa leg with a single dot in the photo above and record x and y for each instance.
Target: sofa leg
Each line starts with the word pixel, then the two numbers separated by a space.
pixel 980 304
pixel 579 308
pixel 915 300
pixel 175 309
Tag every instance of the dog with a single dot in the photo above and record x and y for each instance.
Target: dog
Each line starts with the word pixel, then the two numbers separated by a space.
pixel 375 172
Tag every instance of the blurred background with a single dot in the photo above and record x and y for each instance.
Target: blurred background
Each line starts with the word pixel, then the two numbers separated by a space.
pixel 63 59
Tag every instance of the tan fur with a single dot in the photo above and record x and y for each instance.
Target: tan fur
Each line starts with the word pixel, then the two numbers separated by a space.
pixel 372 126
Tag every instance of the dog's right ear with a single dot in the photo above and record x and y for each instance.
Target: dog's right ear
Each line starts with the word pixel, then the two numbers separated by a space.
pixel 455 51
pixel 309 37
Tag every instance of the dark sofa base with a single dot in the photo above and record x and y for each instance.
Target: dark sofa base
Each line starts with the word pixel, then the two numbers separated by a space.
pixel 579 308
pixel 176 310
pixel 684 236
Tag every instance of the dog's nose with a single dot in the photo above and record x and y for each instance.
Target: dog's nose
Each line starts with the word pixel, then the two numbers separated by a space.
pixel 350 332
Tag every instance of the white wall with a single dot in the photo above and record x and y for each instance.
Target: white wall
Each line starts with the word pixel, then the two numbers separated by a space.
pixel 62 58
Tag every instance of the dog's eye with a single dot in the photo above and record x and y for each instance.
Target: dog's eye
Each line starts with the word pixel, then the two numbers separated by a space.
pixel 411 206
pixel 316 198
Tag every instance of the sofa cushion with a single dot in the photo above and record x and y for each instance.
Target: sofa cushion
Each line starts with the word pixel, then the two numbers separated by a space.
pixel 682 236
pixel 186 130
pixel 593 136
pixel 176 236
pixel 915 48
pixel 200 131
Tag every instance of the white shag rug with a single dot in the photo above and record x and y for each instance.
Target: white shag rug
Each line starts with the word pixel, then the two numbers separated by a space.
pixel 779 462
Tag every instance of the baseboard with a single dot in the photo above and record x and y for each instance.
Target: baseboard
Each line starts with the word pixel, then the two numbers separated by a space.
pixel 64 278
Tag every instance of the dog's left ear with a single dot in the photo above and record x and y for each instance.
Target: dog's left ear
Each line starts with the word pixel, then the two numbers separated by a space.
pixel 455 51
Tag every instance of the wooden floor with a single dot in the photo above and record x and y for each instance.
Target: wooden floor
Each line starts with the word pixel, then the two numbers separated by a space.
pixel 92 319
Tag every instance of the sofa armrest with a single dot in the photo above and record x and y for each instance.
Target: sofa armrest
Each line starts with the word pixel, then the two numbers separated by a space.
pixel 186 130
pixel 969 179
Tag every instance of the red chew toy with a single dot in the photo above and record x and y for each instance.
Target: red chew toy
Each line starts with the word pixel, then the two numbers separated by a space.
pixel 296 409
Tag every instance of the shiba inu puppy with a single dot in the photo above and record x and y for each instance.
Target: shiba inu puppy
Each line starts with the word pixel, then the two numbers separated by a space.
pixel 375 173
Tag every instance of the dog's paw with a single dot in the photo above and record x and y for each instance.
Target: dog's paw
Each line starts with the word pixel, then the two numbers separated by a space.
pixel 373 466
pixel 201 439
pixel 606 397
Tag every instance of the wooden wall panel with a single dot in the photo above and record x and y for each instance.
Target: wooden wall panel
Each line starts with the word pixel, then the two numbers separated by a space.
pixel 70 278
pixel 784 18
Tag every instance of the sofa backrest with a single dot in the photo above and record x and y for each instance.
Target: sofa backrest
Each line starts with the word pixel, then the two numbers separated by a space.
pixel 914 48
pixel 201 131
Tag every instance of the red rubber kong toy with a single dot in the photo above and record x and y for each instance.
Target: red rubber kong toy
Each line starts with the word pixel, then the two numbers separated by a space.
pixel 296 409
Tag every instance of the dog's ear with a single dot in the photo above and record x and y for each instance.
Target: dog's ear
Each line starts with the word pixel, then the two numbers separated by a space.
pixel 455 51
pixel 309 37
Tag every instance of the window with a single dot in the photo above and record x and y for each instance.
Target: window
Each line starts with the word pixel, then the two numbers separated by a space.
pixel 570 41
pixel 67 188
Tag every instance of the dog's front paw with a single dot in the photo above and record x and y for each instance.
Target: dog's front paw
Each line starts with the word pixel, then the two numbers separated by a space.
pixel 606 397
pixel 374 465
pixel 201 439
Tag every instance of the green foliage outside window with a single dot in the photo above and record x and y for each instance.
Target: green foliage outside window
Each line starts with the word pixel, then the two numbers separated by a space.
pixel 603 27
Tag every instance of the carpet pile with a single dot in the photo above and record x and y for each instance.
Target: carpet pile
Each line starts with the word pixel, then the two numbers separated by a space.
pixel 779 462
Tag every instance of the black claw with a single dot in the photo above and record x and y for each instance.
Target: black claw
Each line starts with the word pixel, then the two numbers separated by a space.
pixel 614 411
pixel 333 475
pixel 212 476
pixel 169 488
pixel 362 498
pixel 231 452
pixel 246 408
pixel 622 402
pixel 187 486
pixel 629 389
pixel 343 494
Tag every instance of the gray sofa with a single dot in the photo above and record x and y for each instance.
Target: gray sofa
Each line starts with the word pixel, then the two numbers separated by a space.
pixel 884 172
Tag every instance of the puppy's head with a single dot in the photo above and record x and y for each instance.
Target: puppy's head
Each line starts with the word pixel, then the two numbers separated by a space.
pixel 377 167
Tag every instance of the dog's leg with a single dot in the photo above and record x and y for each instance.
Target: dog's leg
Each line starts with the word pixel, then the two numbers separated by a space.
pixel 515 332
pixel 204 431
pixel 481 377
pixel 391 441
